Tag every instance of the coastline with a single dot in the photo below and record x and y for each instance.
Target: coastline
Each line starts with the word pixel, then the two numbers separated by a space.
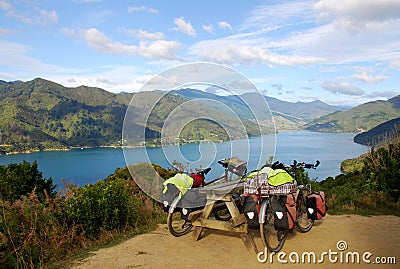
pixel 154 144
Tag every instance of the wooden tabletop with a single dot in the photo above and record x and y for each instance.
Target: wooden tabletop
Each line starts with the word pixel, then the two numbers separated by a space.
pixel 222 188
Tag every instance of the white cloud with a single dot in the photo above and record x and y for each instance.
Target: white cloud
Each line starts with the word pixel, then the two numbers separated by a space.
pixel 249 52
pixel 111 78
pixel 282 14
pixel 358 14
pixel 369 34
pixel 209 28
pixel 224 25
pixel 132 9
pixel 16 56
pixel 69 32
pixel 144 35
pixel 13 13
pixel 87 1
pixel 4 31
pixel 143 79
pixel 383 94
pixel 184 27
pixel 395 64
pixel 159 49
pixel 367 75
pixel 341 87
pixel 29 14
pixel 46 17
pixel 105 80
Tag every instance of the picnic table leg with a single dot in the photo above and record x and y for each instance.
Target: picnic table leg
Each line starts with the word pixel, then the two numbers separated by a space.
pixel 249 242
pixel 240 220
pixel 205 215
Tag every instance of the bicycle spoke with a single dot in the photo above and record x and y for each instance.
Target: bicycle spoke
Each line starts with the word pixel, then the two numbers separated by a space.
pixel 178 226
pixel 272 238
pixel 303 224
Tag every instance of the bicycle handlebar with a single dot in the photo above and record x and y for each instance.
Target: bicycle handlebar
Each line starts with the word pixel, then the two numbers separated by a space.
pixel 223 162
pixel 295 165
pixel 203 171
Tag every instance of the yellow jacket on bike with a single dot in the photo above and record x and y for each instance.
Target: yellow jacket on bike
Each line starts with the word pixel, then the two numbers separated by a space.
pixel 182 181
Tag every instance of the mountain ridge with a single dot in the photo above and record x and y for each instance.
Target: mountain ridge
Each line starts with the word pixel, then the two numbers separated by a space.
pixel 358 119
pixel 41 114
pixel 382 133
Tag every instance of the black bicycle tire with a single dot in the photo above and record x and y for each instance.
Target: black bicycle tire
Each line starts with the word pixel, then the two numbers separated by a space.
pixel 267 227
pixel 221 217
pixel 171 224
pixel 301 206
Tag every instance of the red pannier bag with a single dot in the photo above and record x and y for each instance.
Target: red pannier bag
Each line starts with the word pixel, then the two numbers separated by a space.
pixel 198 180
pixel 291 209
pixel 284 209
pixel 316 206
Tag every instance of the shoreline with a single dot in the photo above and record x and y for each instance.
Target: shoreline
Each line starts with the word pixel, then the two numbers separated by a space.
pixel 154 145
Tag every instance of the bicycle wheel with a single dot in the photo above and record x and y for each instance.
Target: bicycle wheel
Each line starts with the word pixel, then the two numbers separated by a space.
pixel 272 238
pixel 303 223
pixel 177 225
pixel 222 214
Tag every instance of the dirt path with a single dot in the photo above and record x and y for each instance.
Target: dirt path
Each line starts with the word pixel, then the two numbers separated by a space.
pixel 379 235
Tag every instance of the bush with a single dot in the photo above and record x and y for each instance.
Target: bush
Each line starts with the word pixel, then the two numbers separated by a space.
pixel 382 169
pixel 34 231
pixel 109 205
pixel 31 234
pixel 17 180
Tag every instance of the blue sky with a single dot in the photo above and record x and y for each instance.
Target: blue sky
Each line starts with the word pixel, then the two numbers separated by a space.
pixel 340 52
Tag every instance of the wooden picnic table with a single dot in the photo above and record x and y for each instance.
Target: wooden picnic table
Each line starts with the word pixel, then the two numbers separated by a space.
pixel 222 193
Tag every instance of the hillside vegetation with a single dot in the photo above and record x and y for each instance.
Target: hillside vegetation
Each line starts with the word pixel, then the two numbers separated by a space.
pixel 370 185
pixel 358 119
pixel 287 115
pixel 41 115
pixel 38 225
pixel 381 134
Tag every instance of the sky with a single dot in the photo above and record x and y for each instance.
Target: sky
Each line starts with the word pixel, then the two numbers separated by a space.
pixel 340 52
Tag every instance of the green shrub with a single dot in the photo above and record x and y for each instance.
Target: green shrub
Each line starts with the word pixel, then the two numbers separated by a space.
pixel 109 205
pixel 21 179
pixel 31 234
pixel 35 231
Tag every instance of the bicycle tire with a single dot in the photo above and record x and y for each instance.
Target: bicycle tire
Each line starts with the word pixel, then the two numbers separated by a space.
pixel 272 238
pixel 177 225
pixel 222 214
pixel 303 223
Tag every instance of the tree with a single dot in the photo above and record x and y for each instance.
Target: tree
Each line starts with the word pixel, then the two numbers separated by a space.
pixel 381 168
pixel 17 180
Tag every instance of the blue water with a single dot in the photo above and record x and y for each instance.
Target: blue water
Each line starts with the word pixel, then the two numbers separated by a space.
pixel 83 166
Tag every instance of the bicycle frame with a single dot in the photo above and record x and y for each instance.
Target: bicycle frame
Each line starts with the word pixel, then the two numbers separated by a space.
pixel 174 204
pixel 266 225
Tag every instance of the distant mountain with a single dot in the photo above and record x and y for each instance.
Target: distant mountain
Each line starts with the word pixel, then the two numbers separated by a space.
pixel 358 119
pixel 287 115
pixel 307 111
pixel 383 133
pixel 10 82
pixel 41 114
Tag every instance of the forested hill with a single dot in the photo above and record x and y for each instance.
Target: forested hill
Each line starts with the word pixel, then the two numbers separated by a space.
pixel 287 115
pixel 383 133
pixel 358 119
pixel 40 114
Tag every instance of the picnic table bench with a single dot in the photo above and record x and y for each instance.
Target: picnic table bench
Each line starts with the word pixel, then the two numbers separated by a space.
pixel 222 193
